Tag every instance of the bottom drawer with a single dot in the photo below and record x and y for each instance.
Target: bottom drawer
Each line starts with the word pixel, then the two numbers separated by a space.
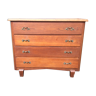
pixel 47 62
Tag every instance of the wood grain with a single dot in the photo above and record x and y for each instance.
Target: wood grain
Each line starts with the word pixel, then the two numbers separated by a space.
pixel 47 43
pixel 47 19
pixel 47 40
pixel 48 52
pixel 72 72
pixel 47 62
pixel 48 27
pixel 40 68
pixel 13 44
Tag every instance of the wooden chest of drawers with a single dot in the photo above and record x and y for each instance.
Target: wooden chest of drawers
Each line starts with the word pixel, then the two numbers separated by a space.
pixel 47 44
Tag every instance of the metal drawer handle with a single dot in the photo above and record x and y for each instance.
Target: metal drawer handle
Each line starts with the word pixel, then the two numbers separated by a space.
pixel 25 51
pixel 25 28
pixel 27 62
pixel 67 63
pixel 68 52
pixel 25 40
pixel 68 40
pixel 69 28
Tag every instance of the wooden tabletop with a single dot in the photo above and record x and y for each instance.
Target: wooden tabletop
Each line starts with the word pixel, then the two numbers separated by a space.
pixel 51 19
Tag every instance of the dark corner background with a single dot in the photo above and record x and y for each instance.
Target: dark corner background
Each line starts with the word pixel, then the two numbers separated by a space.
pixel 54 12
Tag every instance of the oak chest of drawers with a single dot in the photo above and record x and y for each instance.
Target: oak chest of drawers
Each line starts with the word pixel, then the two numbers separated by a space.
pixel 47 44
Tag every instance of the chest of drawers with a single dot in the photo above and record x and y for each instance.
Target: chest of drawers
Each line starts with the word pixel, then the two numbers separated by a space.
pixel 47 44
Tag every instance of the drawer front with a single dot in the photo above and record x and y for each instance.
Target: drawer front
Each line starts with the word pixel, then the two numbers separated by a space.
pixel 48 27
pixel 47 52
pixel 47 62
pixel 47 40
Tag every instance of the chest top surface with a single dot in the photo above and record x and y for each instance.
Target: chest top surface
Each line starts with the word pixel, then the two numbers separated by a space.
pixel 47 19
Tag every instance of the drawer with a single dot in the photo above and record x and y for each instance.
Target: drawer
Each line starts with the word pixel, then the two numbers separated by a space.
pixel 47 52
pixel 48 27
pixel 47 62
pixel 47 40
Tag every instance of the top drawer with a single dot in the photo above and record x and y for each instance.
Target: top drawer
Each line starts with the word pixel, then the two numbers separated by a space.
pixel 48 27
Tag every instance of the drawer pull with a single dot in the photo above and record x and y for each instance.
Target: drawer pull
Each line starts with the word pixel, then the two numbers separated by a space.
pixel 25 51
pixel 25 28
pixel 68 40
pixel 69 28
pixel 25 40
pixel 67 63
pixel 68 52
pixel 27 62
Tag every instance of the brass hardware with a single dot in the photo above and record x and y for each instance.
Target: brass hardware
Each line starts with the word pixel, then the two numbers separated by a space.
pixel 69 28
pixel 24 62
pixel 71 40
pixel 67 63
pixel 25 28
pixel 66 29
pixel 27 62
pixel 64 63
pixel 25 51
pixel 68 52
pixel 28 51
pixel 25 40
pixel 68 40
pixel 22 51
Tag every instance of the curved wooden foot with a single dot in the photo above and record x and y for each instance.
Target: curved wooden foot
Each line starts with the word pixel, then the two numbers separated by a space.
pixel 72 72
pixel 21 72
